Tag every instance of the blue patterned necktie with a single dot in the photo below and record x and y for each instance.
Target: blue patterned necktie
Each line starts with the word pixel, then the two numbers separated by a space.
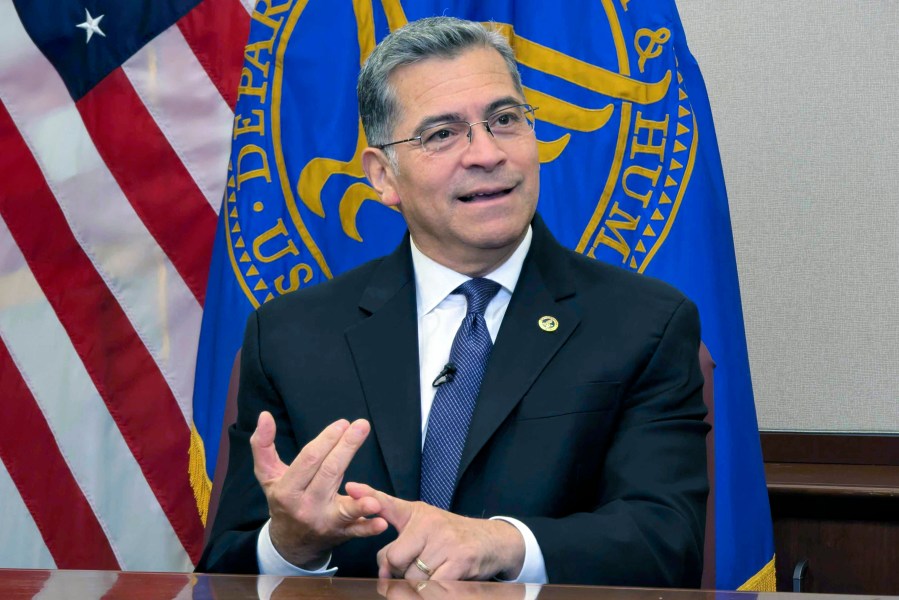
pixel 455 399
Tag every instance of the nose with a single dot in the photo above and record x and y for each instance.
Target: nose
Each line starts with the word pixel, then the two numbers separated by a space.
pixel 483 150
pixel 471 127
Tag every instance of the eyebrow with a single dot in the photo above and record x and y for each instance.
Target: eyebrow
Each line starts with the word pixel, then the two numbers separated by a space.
pixel 450 117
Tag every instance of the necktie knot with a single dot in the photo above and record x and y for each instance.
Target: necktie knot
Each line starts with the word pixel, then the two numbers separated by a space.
pixel 478 292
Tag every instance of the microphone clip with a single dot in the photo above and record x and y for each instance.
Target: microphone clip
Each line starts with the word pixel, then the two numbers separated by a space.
pixel 446 375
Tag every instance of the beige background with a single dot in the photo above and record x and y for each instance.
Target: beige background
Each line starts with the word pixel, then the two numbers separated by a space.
pixel 805 96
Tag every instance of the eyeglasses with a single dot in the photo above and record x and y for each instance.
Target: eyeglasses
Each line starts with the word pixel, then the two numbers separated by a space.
pixel 505 124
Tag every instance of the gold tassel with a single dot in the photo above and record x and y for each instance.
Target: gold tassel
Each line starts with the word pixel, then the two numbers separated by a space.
pixel 763 581
pixel 199 481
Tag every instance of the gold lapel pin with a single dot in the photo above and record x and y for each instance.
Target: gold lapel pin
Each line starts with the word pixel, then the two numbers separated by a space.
pixel 548 323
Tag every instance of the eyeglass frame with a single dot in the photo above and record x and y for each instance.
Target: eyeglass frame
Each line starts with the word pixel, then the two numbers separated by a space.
pixel 485 123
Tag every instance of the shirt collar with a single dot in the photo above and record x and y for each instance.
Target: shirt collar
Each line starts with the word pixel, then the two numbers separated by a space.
pixel 434 282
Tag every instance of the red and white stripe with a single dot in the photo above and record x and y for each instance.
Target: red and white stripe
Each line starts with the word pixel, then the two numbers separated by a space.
pixel 107 216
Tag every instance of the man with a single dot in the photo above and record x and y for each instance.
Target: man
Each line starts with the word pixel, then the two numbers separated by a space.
pixel 558 424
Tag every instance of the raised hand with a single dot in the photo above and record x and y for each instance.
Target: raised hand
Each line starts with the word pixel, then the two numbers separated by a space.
pixel 309 516
pixel 436 544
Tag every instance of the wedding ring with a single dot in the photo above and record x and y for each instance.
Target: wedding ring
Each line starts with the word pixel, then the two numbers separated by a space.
pixel 423 567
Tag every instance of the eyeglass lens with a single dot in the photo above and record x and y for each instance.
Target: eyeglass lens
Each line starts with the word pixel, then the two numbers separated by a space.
pixel 506 123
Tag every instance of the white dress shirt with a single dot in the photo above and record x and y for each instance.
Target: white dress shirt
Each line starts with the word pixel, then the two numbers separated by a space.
pixel 440 312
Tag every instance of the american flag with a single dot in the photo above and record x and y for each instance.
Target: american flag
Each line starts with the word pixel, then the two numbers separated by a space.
pixel 115 121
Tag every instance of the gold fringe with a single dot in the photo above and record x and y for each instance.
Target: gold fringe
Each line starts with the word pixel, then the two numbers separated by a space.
pixel 199 481
pixel 763 581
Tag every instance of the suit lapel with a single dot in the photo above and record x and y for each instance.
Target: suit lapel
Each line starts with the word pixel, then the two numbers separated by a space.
pixel 385 350
pixel 522 348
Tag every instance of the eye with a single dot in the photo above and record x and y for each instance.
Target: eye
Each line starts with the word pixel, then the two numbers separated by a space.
pixel 442 135
pixel 507 118
pixel 438 135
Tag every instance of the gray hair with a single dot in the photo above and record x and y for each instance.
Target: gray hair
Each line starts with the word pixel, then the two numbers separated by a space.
pixel 444 37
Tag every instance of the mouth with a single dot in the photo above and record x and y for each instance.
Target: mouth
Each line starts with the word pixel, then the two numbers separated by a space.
pixel 488 194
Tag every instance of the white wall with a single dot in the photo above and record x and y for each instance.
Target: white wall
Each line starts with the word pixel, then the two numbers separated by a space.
pixel 805 98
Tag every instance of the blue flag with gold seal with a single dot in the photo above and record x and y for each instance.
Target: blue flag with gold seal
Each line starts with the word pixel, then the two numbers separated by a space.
pixel 630 175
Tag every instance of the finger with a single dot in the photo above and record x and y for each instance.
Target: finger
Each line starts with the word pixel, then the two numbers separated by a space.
pixel 366 527
pixel 398 512
pixel 266 463
pixel 329 476
pixel 448 571
pixel 402 552
pixel 309 460
pixel 413 573
pixel 358 490
pixel 386 568
pixel 430 564
pixel 350 509
pixel 383 565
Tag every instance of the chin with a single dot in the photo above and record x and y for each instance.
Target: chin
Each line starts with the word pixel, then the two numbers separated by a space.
pixel 498 239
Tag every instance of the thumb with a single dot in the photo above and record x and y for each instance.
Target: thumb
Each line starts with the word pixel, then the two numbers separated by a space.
pixel 266 463
pixel 394 510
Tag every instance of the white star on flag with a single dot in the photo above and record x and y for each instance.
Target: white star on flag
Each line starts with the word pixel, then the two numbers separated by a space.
pixel 91 25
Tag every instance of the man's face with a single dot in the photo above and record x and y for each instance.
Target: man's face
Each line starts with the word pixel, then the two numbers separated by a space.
pixel 467 207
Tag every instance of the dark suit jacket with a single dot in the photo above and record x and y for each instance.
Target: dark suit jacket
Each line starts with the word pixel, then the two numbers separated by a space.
pixel 592 435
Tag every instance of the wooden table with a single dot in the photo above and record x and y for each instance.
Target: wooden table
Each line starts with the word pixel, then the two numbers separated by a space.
pixel 52 585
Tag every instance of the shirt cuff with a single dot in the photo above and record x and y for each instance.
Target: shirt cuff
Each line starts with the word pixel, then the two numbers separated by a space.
pixel 534 568
pixel 272 563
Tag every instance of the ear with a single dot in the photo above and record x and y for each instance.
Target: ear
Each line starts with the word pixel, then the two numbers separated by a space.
pixel 381 176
